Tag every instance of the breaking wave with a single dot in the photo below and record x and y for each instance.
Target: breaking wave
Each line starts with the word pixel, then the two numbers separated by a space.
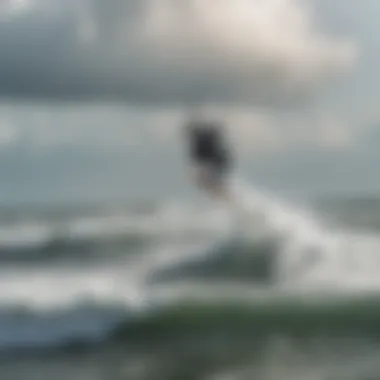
pixel 181 270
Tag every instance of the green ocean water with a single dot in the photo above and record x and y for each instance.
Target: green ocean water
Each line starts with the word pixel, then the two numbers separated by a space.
pixel 229 318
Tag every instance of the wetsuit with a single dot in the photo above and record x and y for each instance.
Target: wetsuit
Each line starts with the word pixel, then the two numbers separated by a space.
pixel 207 148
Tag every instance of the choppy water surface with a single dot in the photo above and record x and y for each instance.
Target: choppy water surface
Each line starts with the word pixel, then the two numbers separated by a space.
pixel 184 291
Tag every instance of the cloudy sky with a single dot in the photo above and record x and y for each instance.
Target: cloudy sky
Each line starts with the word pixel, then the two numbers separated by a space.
pixel 105 84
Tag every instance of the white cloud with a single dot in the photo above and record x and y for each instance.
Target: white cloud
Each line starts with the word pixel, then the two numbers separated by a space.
pixel 13 8
pixel 335 135
pixel 9 133
pixel 247 50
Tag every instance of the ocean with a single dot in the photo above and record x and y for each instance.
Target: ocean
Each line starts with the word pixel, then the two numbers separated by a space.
pixel 182 289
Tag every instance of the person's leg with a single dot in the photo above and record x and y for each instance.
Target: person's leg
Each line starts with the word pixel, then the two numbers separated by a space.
pixel 212 178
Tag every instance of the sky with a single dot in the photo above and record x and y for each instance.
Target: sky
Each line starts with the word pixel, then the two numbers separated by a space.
pixel 93 92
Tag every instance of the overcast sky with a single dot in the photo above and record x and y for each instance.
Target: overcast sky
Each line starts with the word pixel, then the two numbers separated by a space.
pixel 164 51
pixel 285 74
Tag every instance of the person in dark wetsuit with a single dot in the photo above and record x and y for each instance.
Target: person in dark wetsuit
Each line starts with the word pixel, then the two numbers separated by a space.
pixel 209 156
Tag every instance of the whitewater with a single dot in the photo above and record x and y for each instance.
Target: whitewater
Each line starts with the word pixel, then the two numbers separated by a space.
pixel 77 278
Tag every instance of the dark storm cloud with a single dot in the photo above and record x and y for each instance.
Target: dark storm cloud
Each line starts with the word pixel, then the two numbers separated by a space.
pixel 167 51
